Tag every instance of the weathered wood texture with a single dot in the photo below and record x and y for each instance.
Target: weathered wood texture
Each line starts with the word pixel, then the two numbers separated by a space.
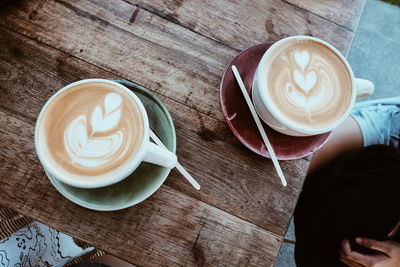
pixel 240 24
pixel 149 50
pixel 249 188
pixel 345 13
pixel 155 52
pixel 178 49
pixel 168 229
pixel 32 73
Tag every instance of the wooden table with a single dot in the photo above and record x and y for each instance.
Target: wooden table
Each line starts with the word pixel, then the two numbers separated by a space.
pixel 179 50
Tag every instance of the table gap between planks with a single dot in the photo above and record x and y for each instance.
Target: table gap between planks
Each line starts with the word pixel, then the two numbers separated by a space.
pixel 179 50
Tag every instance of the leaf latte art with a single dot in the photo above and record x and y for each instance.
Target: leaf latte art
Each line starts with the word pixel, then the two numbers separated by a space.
pixel 90 151
pixel 91 131
pixel 308 83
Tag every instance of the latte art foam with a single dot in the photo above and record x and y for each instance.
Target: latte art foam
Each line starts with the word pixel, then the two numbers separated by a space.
pixel 91 130
pixel 84 148
pixel 308 83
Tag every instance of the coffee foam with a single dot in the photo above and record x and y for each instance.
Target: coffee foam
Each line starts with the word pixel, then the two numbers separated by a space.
pixel 308 83
pixel 92 130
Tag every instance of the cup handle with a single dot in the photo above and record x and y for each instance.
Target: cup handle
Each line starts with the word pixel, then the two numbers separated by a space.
pixel 160 156
pixel 364 88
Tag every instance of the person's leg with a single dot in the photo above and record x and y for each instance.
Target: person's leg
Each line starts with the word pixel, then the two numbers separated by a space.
pixel 371 122
pixel 344 138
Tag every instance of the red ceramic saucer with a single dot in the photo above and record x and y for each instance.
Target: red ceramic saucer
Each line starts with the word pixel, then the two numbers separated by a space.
pixel 241 122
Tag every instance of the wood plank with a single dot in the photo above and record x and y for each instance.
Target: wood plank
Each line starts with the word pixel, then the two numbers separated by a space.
pixel 149 50
pixel 343 12
pixel 168 229
pixel 233 178
pixel 240 24
pixel 161 55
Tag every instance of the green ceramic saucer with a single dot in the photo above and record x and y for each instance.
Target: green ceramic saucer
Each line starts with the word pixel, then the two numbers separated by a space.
pixel 145 180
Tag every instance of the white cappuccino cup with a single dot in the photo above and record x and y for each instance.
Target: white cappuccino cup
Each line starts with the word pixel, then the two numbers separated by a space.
pixel 94 133
pixel 304 86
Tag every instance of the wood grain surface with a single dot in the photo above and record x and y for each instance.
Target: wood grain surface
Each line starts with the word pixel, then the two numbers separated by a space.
pixel 167 58
pixel 167 229
pixel 240 24
pixel 345 13
pixel 204 144
pixel 179 50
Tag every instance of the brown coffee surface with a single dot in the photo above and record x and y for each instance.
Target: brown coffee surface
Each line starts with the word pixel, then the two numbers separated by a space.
pixel 308 83
pixel 92 130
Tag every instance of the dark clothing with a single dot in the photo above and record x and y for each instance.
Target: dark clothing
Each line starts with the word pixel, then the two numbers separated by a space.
pixel 358 194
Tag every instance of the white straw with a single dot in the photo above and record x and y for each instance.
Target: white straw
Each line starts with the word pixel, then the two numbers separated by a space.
pixel 259 125
pixel 180 168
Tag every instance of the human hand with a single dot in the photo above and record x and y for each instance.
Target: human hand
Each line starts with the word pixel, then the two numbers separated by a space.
pixel 388 253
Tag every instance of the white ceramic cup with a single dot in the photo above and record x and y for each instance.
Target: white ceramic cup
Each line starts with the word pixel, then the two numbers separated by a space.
pixel 272 117
pixel 147 151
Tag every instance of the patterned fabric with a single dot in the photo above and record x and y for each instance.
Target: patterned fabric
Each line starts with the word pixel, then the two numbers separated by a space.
pixel 11 221
pixel 38 245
